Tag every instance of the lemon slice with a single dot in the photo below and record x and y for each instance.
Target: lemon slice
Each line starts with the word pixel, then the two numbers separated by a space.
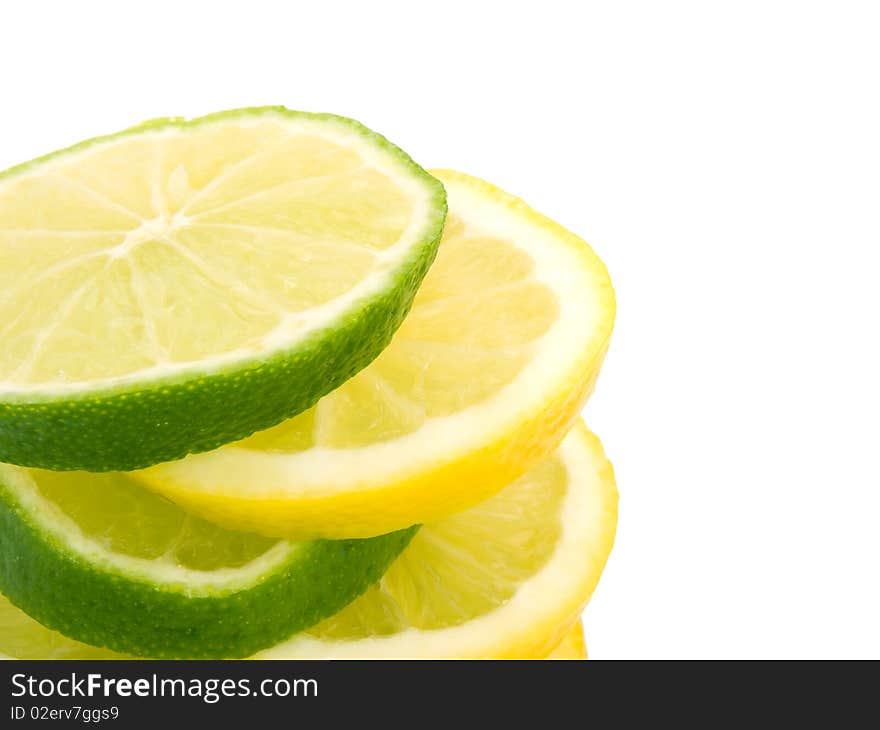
pixel 484 378
pixel 572 646
pixel 505 579
pixel 183 284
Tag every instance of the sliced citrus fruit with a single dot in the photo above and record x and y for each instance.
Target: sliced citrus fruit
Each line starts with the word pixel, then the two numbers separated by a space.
pixel 505 579
pixel 183 284
pixel 107 562
pixel 485 376
pixel 572 646
pixel 23 638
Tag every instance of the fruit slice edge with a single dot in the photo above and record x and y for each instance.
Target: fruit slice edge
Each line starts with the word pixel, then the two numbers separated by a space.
pixel 23 638
pixel 96 577
pixel 296 487
pixel 126 421
pixel 572 646
pixel 460 592
pixel 530 622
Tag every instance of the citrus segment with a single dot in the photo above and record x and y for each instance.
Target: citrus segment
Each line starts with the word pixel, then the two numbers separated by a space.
pixel 23 638
pixel 483 379
pixel 107 562
pixel 507 578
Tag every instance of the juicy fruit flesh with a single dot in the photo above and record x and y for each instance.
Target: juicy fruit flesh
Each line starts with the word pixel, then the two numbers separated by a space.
pixel 452 572
pixel 23 638
pixel 464 566
pixel 473 326
pixel 127 519
pixel 123 257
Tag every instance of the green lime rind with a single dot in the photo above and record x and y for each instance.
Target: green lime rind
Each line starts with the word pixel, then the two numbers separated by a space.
pixel 134 425
pixel 97 602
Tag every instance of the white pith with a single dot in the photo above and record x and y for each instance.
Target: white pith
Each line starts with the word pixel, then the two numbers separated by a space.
pixel 581 293
pixel 294 328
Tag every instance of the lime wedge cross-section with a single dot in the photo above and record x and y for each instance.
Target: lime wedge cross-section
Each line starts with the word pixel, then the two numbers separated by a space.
pixel 183 284
pixel 110 564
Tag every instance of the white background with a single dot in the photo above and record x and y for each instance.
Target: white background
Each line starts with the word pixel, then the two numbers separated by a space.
pixel 722 157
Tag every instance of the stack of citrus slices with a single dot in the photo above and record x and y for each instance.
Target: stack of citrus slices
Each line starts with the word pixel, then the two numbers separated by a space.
pixel 270 389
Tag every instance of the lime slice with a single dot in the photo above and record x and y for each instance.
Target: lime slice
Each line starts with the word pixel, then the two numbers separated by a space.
pixel 506 579
pixel 106 562
pixel 182 284
pixel 484 378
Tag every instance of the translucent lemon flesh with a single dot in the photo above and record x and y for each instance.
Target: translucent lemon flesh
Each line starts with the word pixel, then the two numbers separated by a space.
pixel 473 326
pixel 452 572
pixel 464 566
pixel 486 375
pixel 506 578
pixel 23 638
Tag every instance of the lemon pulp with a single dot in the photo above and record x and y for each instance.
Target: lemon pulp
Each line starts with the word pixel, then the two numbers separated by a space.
pixel 464 566
pixel 474 324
